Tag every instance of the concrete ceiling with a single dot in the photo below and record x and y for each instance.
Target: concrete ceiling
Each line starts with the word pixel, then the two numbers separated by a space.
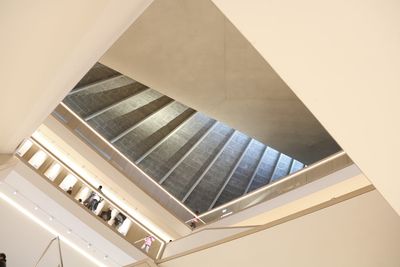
pixel 46 47
pixel 189 51
pixel 342 59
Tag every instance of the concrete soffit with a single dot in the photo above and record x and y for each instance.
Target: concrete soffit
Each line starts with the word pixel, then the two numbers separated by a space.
pixel 189 51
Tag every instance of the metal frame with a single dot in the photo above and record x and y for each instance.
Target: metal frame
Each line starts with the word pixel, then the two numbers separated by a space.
pixel 47 248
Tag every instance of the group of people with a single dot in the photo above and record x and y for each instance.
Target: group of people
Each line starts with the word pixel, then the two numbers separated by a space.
pixel 92 202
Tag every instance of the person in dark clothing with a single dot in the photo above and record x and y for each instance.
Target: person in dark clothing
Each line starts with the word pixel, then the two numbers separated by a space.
pixel 195 220
pixel 106 215
pixel 2 260
pixel 89 199
pixel 69 191
pixel 119 219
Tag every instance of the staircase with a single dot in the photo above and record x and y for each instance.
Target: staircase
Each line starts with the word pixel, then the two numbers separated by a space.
pixel 201 161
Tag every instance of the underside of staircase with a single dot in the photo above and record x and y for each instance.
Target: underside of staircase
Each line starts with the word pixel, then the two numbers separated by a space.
pixel 201 161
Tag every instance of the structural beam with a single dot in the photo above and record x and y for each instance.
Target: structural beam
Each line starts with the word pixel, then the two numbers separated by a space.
pixel 162 180
pixel 231 174
pixel 101 111
pixel 95 84
pixel 148 152
pixel 276 168
pixel 208 167
pixel 255 171
pixel 115 139
pixel 292 164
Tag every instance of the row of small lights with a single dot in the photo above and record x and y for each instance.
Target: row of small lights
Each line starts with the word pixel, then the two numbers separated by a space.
pixel 51 218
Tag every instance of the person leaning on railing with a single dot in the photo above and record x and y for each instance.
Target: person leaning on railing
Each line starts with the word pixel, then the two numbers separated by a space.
pixel 2 260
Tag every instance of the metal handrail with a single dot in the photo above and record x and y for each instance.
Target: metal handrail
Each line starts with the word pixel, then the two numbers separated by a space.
pixel 72 121
pixel 294 180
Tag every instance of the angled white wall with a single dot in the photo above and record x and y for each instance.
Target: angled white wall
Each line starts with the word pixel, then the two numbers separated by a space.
pixel 363 231
pixel 189 51
pixel 342 60
pixel 46 47
pixel 24 241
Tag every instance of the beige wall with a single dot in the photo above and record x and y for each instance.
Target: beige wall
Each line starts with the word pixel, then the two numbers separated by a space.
pixel 363 231
pixel 46 47
pixel 342 59
pixel 190 52
pixel 24 241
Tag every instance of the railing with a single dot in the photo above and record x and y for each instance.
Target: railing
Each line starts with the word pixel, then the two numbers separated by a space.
pixel 311 173
pixel 92 199
pixel 295 180
pixel 106 150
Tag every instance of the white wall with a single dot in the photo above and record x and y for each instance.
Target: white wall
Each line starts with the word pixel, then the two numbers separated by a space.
pixel 342 60
pixel 24 241
pixel 46 47
pixel 363 231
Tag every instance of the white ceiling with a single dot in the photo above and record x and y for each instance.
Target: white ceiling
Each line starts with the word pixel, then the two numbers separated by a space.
pixel 45 48
pixel 33 191
pixel 363 231
pixel 24 241
pixel 342 59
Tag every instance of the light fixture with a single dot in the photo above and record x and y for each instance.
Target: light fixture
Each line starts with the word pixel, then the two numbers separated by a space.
pixel 15 192
pixel 69 231
pixel 105 257
pixel 51 218
pixel 89 245
pixel 224 210
pixel 36 207
pixel 51 230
